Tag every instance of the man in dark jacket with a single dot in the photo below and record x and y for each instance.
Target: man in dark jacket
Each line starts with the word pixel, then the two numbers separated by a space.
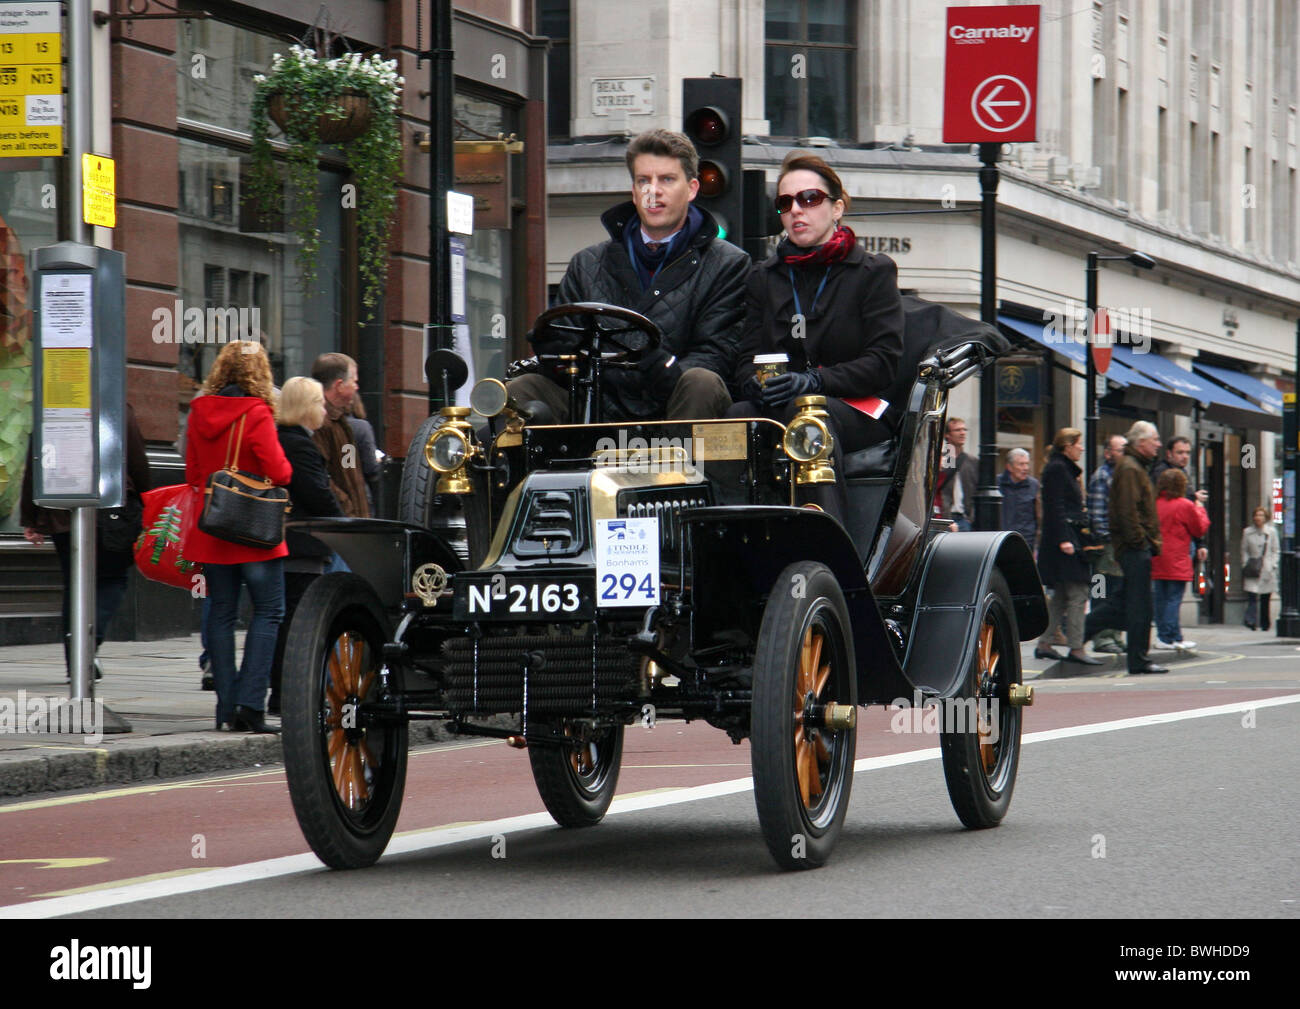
pixel 1019 497
pixel 665 260
pixel 1135 535
pixel 337 374
pixel 958 477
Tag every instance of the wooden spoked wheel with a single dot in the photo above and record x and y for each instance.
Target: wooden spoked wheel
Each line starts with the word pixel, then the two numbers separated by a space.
pixel 980 736
pixel 344 755
pixel 803 670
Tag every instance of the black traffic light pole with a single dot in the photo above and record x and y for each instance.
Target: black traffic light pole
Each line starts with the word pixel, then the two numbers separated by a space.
pixel 988 499
pixel 1288 621
pixel 441 179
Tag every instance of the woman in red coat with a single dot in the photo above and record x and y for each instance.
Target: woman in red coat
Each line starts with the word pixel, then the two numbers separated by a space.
pixel 1181 521
pixel 234 416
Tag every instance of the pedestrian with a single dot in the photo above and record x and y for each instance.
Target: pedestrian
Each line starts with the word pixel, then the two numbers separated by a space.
pixel 1112 576
pixel 1259 559
pixel 1061 561
pixel 235 419
pixel 1178 453
pixel 115 533
pixel 301 412
pixel 1135 533
pixel 337 374
pixel 832 308
pixel 1019 497
pixel 665 258
pixel 1181 521
pixel 958 477
pixel 364 436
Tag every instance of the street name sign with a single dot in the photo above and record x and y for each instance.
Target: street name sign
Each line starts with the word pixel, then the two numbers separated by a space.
pixel 31 81
pixel 991 75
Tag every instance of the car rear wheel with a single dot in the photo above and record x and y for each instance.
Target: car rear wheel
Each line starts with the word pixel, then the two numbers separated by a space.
pixel 803 724
pixel 463 520
pixel 346 769
pixel 577 780
pixel 980 735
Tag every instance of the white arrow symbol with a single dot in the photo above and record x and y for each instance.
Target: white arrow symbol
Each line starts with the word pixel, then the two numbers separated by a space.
pixel 988 103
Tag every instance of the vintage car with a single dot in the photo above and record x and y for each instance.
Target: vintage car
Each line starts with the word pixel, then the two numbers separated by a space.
pixel 551 584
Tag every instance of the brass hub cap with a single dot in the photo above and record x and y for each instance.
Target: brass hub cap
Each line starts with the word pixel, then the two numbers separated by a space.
pixel 351 763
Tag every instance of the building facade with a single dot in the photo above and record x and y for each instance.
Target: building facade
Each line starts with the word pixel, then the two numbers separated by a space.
pixel 1163 127
pixel 171 106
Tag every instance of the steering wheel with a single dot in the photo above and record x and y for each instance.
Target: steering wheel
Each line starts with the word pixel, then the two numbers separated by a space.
pixel 629 342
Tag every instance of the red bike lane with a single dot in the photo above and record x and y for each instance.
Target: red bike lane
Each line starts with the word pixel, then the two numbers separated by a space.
pixel 71 843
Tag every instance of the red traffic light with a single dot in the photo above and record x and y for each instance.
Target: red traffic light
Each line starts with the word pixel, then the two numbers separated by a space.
pixel 707 126
pixel 713 179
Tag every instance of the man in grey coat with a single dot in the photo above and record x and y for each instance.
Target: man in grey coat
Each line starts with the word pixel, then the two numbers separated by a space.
pixel 664 259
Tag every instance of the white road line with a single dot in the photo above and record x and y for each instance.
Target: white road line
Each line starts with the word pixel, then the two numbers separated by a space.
pixel 441 837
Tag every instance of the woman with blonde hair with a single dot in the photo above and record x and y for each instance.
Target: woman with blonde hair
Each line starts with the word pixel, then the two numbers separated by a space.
pixel 234 420
pixel 1259 558
pixel 301 414
pixel 1061 562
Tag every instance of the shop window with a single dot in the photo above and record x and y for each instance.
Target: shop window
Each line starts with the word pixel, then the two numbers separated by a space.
pixel 28 220
pixel 553 21
pixel 809 56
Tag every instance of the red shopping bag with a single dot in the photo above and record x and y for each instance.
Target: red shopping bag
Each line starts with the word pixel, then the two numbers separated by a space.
pixel 170 513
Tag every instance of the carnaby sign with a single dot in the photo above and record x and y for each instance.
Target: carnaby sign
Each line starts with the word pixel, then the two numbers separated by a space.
pixel 991 75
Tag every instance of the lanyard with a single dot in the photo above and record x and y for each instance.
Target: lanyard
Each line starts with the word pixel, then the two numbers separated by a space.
pixel 795 291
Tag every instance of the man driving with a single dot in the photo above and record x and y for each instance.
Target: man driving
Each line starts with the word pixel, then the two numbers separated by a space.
pixel 664 259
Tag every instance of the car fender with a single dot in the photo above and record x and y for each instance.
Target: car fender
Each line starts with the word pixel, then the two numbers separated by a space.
pixel 738 552
pixel 955 575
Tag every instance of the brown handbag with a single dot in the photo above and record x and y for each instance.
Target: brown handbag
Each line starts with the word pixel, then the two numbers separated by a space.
pixel 242 507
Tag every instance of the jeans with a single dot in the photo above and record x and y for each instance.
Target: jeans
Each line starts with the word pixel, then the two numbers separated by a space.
pixel 203 630
pixel 246 685
pixel 1257 606
pixel 1127 606
pixel 1167 598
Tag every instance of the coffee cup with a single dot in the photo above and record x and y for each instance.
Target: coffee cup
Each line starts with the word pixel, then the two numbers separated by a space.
pixel 769 366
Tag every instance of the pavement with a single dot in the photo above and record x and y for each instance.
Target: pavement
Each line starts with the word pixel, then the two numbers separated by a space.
pixel 155 686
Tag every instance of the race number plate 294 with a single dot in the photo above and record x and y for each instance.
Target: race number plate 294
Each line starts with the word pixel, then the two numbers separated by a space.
pixel 627 562
pixel 500 596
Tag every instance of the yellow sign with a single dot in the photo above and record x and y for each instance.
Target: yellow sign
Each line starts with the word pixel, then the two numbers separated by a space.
pixel 66 379
pixel 31 81
pixel 98 190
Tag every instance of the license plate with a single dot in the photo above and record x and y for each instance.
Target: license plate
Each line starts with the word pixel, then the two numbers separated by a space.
pixel 500 596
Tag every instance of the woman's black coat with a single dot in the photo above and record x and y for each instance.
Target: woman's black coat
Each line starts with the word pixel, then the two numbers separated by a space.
pixel 854 334
pixel 309 490
pixel 1062 496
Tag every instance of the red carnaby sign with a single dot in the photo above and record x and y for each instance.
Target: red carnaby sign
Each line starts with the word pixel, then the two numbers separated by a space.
pixel 990 80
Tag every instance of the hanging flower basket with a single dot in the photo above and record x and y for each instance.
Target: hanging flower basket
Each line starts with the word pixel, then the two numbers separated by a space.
pixel 349 101
pixel 348 119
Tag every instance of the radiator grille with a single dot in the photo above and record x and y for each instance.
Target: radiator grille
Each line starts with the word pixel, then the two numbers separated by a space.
pixel 576 677
pixel 668 508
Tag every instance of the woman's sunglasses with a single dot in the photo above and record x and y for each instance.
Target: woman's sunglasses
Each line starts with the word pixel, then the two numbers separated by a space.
pixel 808 198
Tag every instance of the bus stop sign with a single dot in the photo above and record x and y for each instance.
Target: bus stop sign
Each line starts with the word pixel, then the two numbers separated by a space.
pixel 990 79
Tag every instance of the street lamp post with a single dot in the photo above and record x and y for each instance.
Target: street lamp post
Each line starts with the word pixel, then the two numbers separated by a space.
pixel 1092 418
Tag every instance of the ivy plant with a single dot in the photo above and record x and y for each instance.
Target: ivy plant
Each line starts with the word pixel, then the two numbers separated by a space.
pixel 310 86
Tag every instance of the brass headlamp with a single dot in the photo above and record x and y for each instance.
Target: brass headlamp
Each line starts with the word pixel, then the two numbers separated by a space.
pixel 450 448
pixel 808 442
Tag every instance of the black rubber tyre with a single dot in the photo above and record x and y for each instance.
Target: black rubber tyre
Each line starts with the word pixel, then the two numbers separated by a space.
pixel 464 520
pixel 345 782
pixel 979 766
pixel 802 777
pixel 577 782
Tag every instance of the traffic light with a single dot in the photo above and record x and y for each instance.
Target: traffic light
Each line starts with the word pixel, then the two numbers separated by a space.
pixel 712 122
pixel 760 218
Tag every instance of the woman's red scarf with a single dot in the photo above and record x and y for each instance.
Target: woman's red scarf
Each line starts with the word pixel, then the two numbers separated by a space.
pixel 833 250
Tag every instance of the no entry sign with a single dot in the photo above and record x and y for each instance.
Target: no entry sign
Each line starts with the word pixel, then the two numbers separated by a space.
pixel 991 75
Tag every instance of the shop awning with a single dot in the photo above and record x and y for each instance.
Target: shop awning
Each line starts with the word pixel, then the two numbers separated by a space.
pixel 1218 404
pixel 1247 385
pixel 1119 374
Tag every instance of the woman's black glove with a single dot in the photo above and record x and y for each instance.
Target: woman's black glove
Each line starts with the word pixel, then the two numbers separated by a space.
pixel 782 389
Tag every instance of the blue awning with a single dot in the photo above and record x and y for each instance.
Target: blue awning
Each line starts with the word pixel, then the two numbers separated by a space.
pixel 1248 385
pixel 1219 404
pixel 1052 339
